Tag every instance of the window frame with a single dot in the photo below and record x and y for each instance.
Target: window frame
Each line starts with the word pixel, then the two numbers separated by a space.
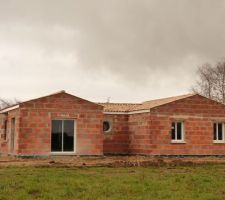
pixel 223 134
pixel 110 126
pixel 75 139
pixel 182 140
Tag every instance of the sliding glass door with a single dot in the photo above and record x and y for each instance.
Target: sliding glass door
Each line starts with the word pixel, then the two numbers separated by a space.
pixel 63 137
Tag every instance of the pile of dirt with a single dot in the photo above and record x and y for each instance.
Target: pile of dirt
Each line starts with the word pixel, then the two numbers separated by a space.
pixel 109 161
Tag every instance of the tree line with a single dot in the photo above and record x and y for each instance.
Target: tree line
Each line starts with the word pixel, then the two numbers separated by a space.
pixel 211 81
pixel 4 103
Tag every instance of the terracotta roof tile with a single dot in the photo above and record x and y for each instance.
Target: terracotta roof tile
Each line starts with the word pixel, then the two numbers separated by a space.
pixel 119 107
pixel 147 105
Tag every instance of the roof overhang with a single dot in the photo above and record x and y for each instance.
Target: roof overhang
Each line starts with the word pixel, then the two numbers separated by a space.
pixel 9 109
pixel 126 113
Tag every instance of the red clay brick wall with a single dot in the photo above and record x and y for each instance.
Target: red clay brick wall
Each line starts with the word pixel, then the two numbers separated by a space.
pixel 195 105
pixel 35 124
pixel 5 141
pixel 117 140
pixel 2 126
pixel 2 133
pixel 140 137
pixel 198 115
pixel 144 133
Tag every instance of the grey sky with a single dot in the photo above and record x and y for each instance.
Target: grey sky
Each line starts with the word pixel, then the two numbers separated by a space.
pixel 130 50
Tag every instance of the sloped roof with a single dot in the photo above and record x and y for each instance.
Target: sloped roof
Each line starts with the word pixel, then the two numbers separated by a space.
pixel 60 92
pixel 158 102
pixel 15 106
pixel 146 105
pixel 119 107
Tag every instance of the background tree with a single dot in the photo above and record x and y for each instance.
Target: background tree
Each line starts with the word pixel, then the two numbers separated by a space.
pixel 6 102
pixel 211 81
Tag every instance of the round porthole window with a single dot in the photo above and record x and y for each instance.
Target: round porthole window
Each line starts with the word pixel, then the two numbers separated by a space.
pixel 107 126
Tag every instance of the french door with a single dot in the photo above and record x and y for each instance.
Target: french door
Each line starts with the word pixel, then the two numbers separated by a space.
pixel 63 136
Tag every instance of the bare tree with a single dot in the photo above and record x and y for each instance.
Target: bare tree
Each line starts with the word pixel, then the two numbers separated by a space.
pixel 211 81
pixel 219 83
pixel 6 102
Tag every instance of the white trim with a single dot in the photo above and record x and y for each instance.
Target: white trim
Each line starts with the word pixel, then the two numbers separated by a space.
pixel 128 113
pixel 62 153
pixel 110 126
pixel 115 113
pixel 217 141
pixel 178 142
pixel 182 133
pixel 9 109
pixel 139 111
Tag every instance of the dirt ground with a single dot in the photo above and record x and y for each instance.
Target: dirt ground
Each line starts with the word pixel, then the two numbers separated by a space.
pixel 109 161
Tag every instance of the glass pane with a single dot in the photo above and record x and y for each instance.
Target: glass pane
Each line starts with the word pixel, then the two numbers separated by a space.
pixel 106 126
pixel 68 135
pixel 179 131
pixel 56 141
pixel 173 131
pixel 214 131
pixel 220 131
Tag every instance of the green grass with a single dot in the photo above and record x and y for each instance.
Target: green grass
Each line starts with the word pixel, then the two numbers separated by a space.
pixel 192 182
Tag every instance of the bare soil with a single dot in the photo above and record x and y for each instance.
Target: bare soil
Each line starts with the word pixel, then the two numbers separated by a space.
pixel 109 161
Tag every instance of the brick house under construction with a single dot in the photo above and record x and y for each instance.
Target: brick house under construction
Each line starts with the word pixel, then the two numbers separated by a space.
pixel 63 124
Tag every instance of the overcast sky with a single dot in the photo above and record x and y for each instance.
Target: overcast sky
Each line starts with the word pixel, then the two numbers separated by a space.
pixel 129 50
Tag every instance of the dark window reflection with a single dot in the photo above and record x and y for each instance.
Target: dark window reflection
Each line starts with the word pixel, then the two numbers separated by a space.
pixel 173 131
pixel 57 135
pixel 106 126
pixel 179 131
pixel 220 131
pixel 68 135
pixel 214 131
pixel 62 135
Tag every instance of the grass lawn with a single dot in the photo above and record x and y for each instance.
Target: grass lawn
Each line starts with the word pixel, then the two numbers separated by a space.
pixel 192 182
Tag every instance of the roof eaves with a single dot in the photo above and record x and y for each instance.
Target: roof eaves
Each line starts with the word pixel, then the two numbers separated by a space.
pixel 13 107
pixel 175 100
pixel 126 112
